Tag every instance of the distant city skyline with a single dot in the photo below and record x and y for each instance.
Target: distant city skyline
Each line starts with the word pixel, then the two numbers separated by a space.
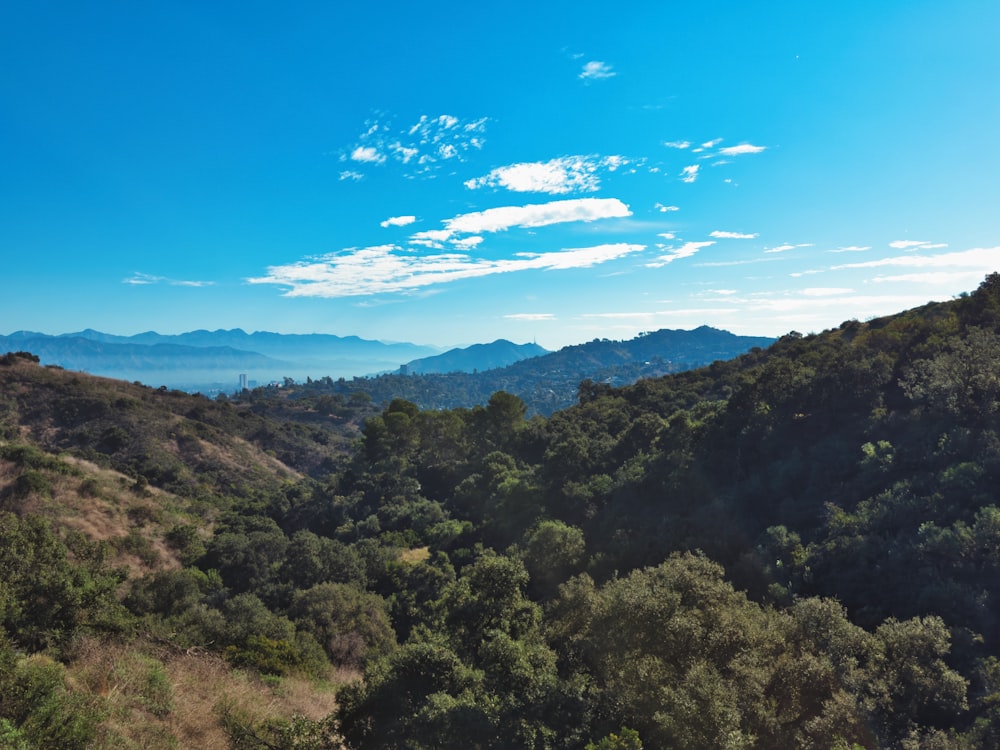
pixel 457 173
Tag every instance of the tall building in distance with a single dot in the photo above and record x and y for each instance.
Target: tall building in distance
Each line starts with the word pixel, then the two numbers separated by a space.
pixel 243 381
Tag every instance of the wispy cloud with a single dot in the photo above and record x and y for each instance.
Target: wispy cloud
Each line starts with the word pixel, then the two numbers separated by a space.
pixel 852 249
pixel 666 209
pixel 733 235
pixel 398 221
pixel 983 260
pixel 690 173
pixel 391 269
pixel 677 144
pixel 916 245
pixel 565 174
pixel 786 248
pixel 528 216
pixel 676 253
pixel 596 70
pixel 743 148
pixel 966 279
pixel 530 316
pixel 420 147
pixel 145 279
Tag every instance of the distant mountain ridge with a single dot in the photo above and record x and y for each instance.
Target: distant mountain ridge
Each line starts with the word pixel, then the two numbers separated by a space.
pixel 204 359
pixel 499 353
pixel 551 381
pixel 213 360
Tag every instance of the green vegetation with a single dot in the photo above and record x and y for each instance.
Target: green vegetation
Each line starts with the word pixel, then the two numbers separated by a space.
pixel 795 548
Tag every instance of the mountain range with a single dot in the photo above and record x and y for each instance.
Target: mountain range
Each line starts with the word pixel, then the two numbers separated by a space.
pixel 212 361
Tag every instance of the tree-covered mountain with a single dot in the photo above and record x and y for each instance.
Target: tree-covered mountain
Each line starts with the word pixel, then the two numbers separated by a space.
pixel 796 547
pixel 477 357
pixel 551 381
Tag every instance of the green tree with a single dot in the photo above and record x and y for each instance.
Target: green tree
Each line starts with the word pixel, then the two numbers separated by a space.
pixel 351 625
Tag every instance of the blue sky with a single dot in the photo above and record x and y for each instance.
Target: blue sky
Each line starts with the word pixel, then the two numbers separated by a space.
pixel 450 173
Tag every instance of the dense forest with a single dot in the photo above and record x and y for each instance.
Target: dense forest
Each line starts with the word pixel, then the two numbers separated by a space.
pixel 798 547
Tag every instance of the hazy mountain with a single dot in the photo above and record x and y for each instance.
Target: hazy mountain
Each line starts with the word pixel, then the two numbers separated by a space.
pixel 206 360
pixel 500 353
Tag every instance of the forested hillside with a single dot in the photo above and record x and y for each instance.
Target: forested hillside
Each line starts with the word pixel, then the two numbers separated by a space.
pixel 550 382
pixel 795 548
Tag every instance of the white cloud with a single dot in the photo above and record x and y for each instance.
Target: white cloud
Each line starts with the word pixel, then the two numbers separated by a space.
pixel 531 215
pixel 350 174
pixel 733 235
pixel 405 154
pixel 743 148
pixel 666 209
pixel 556 176
pixel 786 248
pixel 530 316
pixel 367 154
pixel 984 260
pixel 596 69
pixel 690 174
pixel 390 269
pixel 423 145
pixel 968 279
pixel 677 144
pixel 684 251
pixel 852 249
pixel 146 279
pixel 667 235
pixel 195 284
pixel 712 143
pixel 467 243
pixel 916 245
pixel 398 221
pixel 142 279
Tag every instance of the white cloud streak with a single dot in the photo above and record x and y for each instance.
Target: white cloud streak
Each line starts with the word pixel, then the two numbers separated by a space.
pixel 743 148
pixel 733 235
pixel 529 317
pixel 983 260
pixel 690 174
pixel 676 253
pixel 786 248
pixel 529 216
pixel 390 269
pixel 145 279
